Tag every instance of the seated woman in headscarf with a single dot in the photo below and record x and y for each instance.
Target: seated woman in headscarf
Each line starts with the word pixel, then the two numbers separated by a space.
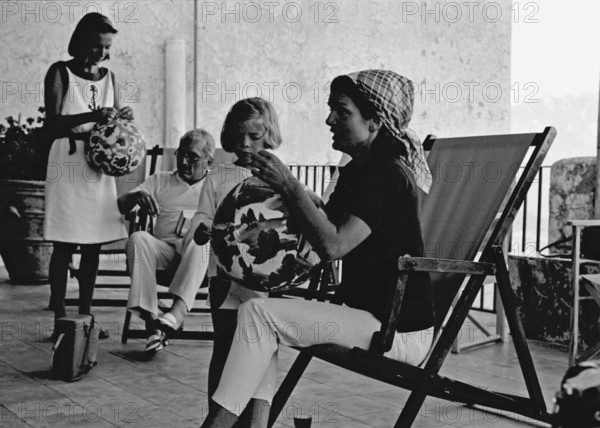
pixel 372 220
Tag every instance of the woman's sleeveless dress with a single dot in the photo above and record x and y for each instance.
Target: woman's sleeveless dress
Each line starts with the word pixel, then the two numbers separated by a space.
pixel 81 203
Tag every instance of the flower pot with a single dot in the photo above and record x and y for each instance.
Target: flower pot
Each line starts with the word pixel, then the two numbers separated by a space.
pixel 27 259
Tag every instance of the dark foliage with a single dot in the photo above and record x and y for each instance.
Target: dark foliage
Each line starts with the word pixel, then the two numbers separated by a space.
pixel 23 148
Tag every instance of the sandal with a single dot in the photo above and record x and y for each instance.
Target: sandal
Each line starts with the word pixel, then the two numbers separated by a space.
pixel 168 323
pixel 156 342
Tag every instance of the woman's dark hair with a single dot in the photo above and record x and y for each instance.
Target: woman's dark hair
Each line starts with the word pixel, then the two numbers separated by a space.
pixel 345 85
pixel 386 146
pixel 89 26
pixel 246 109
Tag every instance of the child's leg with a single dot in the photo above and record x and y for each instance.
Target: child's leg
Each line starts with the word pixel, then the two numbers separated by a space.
pixel 59 266
pixel 256 414
pixel 224 322
pixel 88 269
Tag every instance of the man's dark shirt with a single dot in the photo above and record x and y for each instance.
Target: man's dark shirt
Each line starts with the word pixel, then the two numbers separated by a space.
pixel 382 193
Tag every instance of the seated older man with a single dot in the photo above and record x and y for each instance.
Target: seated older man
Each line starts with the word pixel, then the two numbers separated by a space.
pixel 166 195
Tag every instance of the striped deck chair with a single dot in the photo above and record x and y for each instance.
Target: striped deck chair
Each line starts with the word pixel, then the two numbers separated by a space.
pixel 477 191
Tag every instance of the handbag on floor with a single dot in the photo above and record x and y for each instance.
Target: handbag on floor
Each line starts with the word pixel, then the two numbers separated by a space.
pixel 577 403
pixel 76 348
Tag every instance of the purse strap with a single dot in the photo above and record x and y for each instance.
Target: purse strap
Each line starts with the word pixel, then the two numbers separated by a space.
pixel 54 348
pixel 556 244
pixel 87 365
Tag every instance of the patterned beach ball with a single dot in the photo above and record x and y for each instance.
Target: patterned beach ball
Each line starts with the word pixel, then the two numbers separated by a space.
pixel 257 243
pixel 116 148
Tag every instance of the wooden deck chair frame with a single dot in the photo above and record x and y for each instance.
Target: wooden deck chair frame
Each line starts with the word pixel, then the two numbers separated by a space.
pixel 425 380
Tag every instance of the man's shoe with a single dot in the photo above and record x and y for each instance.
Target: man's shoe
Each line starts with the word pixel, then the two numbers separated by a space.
pixel 156 342
pixel 168 323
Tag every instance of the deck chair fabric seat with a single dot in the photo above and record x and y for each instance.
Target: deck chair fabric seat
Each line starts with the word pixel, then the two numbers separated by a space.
pixel 474 179
pixel 471 177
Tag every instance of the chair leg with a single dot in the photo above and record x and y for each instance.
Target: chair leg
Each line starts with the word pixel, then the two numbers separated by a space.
pixel 288 385
pixel 439 352
pixel 125 333
pixel 518 334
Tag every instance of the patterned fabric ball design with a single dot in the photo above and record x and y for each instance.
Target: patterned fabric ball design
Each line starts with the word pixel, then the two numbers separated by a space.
pixel 256 242
pixel 116 148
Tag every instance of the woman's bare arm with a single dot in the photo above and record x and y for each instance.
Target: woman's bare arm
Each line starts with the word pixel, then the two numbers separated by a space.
pixel 331 241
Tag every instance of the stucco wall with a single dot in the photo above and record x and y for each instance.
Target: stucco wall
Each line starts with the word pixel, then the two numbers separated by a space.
pixel 461 56
pixel 443 57
pixel 35 34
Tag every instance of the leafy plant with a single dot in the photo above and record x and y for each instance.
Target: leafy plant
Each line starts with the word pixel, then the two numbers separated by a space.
pixel 23 148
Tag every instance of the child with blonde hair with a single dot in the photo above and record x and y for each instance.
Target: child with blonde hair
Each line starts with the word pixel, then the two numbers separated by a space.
pixel 250 126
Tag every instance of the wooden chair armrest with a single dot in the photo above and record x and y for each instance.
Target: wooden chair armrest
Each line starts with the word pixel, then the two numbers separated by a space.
pixel 424 264
pixel 383 339
pixel 132 220
pixel 583 223
pixel 139 221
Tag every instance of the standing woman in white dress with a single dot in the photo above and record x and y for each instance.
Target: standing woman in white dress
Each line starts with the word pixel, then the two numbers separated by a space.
pixel 81 202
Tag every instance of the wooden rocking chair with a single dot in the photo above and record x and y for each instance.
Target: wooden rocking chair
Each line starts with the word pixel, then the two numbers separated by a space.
pixel 477 191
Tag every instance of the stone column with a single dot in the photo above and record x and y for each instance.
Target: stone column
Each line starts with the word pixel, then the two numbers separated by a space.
pixel 572 185
pixel 597 201
pixel 174 98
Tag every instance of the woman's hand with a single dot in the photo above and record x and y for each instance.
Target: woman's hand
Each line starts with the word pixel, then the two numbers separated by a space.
pixel 126 113
pixel 147 203
pixel 104 114
pixel 271 170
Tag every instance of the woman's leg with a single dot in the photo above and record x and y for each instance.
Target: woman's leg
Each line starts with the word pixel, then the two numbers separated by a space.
pixel 255 415
pixel 58 270
pixel 88 269
pixel 263 324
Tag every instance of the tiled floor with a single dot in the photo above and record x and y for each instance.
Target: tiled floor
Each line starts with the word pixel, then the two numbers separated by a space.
pixel 125 390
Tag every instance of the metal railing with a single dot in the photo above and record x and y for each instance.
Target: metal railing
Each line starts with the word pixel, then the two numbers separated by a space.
pixel 317 177
pixel 530 228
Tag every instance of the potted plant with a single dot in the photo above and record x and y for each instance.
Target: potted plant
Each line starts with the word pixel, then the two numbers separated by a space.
pixel 23 163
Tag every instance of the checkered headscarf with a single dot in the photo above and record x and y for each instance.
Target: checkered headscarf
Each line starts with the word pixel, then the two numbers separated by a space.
pixel 392 96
